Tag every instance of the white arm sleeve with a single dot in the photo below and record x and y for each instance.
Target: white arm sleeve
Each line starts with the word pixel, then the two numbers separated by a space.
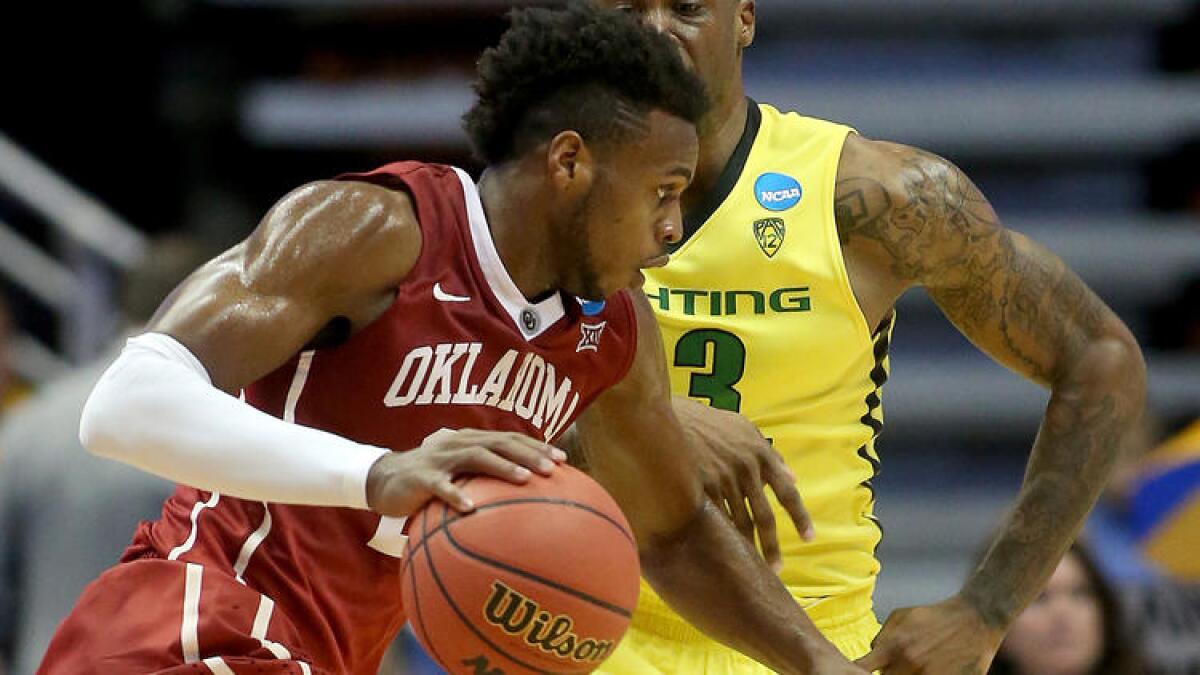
pixel 155 408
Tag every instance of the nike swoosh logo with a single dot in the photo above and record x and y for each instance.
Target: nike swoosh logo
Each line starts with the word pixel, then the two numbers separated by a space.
pixel 443 296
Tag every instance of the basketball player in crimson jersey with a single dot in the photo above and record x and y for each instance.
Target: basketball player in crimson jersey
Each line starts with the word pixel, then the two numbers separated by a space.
pixel 365 318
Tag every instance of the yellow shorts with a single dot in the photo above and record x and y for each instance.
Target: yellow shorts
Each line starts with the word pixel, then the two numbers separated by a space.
pixel 654 646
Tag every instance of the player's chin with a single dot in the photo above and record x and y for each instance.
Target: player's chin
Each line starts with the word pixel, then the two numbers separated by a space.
pixel 637 281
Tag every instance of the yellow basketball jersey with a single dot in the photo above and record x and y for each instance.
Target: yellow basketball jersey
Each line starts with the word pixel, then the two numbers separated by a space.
pixel 758 316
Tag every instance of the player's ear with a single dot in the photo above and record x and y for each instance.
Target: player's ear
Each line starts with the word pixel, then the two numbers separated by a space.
pixel 570 163
pixel 745 16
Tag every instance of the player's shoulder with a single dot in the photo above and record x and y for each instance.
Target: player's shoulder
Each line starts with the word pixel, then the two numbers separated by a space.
pixel 785 128
pixel 894 169
pixel 361 230
pixel 357 209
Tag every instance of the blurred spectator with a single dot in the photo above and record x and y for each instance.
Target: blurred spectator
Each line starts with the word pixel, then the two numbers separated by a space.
pixel 1164 517
pixel 1075 627
pixel 1143 516
pixel 1165 505
pixel 12 387
pixel 1110 533
pixel 66 515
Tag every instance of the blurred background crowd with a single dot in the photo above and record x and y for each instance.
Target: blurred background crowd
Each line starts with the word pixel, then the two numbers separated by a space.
pixel 139 138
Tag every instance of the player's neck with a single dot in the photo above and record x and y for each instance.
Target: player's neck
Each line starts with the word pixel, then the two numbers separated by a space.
pixel 719 136
pixel 521 234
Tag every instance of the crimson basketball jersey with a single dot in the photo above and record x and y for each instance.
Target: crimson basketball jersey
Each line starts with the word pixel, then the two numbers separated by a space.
pixel 459 347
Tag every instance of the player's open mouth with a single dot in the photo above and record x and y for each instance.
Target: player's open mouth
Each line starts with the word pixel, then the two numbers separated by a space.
pixel 659 261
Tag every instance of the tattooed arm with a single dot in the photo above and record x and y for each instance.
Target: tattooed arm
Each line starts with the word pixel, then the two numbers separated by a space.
pixel 907 218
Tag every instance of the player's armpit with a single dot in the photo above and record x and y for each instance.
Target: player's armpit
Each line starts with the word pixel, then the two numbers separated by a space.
pixel 325 251
pixel 691 553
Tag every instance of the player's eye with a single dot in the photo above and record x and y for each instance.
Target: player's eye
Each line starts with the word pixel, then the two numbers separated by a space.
pixel 688 8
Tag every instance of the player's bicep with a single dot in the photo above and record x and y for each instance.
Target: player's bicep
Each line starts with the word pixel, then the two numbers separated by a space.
pixel 928 225
pixel 326 250
pixel 634 444
pixel 1022 305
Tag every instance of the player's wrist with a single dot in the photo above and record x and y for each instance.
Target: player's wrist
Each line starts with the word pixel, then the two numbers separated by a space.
pixel 994 614
pixel 365 481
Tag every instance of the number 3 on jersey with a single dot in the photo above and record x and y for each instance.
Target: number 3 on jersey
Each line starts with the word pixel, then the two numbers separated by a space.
pixel 728 365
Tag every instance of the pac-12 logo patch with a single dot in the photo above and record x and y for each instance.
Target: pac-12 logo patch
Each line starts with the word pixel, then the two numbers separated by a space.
pixel 777 191
pixel 769 232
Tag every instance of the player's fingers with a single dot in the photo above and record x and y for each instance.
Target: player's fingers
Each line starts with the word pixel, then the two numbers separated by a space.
pixel 716 496
pixel 520 451
pixel 478 459
pixel 764 523
pixel 547 449
pixel 784 487
pixel 514 439
pixel 876 659
pixel 453 495
pixel 735 502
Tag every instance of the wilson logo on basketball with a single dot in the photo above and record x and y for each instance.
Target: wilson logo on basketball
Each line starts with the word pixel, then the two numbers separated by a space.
pixel 515 614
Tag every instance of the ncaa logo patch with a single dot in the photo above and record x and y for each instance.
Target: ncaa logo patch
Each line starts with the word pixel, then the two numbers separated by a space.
pixel 590 307
pixel 769 232
pixel 777 191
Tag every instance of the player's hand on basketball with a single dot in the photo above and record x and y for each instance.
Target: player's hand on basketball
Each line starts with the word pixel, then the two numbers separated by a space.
pixel 948 638
pixel 737 464
pixel 400 482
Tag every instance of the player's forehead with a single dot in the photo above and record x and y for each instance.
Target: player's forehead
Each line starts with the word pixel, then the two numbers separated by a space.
pixel 644 6
pixel 668 146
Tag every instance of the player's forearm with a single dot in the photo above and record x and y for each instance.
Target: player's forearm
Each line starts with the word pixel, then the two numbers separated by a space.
pixel 155 409
pixel 1091 411
pixel 714 579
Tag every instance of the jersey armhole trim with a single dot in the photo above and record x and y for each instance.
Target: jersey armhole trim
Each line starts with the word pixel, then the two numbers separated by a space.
pixel 835 243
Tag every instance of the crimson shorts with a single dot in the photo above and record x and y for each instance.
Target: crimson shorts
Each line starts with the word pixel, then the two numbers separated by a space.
pixel 170 618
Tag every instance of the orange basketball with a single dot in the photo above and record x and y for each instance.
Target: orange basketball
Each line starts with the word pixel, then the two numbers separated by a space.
pixel 540 578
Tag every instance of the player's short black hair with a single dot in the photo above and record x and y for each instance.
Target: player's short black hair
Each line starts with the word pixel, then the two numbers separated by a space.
pixel 581 68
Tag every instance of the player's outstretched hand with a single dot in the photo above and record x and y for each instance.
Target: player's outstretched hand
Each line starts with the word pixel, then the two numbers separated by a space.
pixel 737 464
pixel 400 482
pixel 948 638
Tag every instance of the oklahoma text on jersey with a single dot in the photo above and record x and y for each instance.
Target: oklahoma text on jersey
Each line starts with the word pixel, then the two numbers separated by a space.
pixel 535 393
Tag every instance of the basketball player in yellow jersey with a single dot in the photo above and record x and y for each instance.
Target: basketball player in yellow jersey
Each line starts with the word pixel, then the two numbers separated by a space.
pixel 799 237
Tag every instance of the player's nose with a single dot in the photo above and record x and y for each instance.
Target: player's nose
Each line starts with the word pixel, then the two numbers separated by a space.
pixel 671 229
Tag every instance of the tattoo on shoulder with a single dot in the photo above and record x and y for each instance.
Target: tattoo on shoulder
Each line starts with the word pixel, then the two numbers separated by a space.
pixel 923 217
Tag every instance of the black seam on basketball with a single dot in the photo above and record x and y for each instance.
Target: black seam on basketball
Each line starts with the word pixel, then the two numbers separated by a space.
pixel 462 617
pixel 416 548
pixel 412 568
pixel 559 502
pixel 602 604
